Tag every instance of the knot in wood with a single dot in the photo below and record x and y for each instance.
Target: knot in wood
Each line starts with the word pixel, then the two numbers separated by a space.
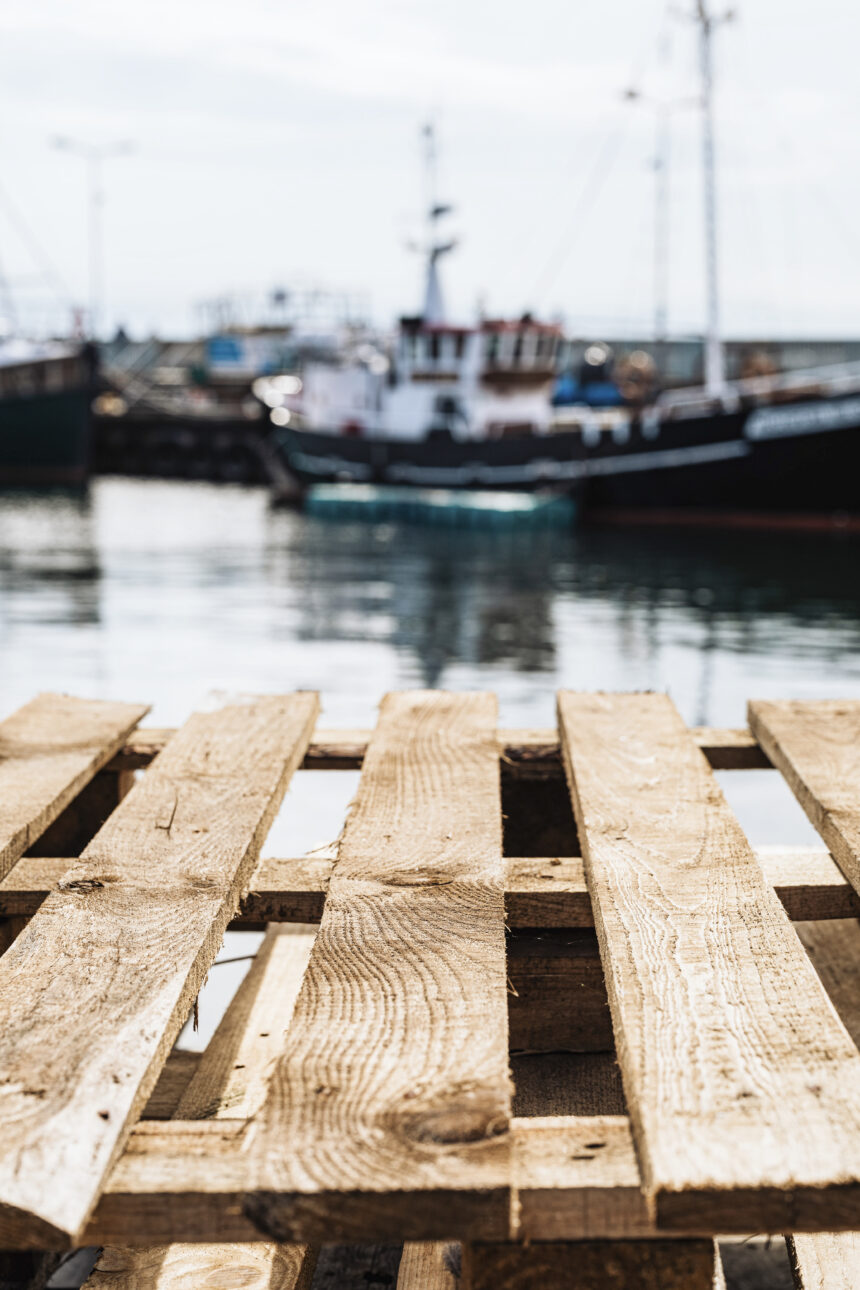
pixel 462 1114
pixel 84 885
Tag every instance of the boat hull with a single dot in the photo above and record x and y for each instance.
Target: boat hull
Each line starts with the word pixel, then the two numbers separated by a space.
pixel 45 439
pixel 801 458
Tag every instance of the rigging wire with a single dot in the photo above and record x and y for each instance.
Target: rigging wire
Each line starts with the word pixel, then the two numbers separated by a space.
pixel 597 176
pixel 639 66
pixel 847 232
pixel 50 272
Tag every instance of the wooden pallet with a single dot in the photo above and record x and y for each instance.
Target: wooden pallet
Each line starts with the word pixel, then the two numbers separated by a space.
pixel 679 1069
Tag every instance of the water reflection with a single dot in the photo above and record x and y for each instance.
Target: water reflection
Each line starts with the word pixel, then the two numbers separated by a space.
pixel 160 591
pixel 49 569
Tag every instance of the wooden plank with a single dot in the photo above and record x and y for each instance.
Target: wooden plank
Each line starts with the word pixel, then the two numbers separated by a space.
pixel 730 749
pixel 176 1074
pixel 396 1064
pixel 526 751
pixel 183 1267
pixel 185 1181
pixel 591 1265
pixel 94 991
pixel 49 750
pixel 816 745
pixel 825 1260
pixel 584 1086
pixel 230 1080
pixel 831 1260
pixel 557 997
pixel 741 1082
pixel 79 822
pixel 429 1265
pixel 540 892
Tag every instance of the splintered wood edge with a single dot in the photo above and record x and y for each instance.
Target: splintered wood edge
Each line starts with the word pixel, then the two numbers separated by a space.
pixel 523 751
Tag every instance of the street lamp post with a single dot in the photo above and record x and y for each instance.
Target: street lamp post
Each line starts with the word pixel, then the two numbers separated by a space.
pixel 95 155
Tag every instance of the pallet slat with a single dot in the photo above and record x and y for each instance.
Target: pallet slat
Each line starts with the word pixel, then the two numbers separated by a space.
pixel 592 1265
pixel 49 750
pixel 816 745
pixel 741 1082
pixel 527 750
pixel 395 1067
pixel 825 1260
pixel 547 891
pixel 428 1265
pixel 95 989
pixel 229 1079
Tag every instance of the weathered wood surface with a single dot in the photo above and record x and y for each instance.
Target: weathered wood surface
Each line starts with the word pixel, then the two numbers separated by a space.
pixel 548 891
pixel 557 999
pixel 395 1069
pixel 81 819
pixel 203 1267
pixel 826 1260
pixel 522 751
pixel 588 1087
pixel 742 1084
pixel 831 1260
pixel 175 1076
pixel 94 991
pixel 429 1265
pixel 816 745
pixel 229 1080
pixel 49 750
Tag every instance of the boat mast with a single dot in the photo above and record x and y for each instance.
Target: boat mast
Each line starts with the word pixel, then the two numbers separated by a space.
pixel 715 376
pixel 434 306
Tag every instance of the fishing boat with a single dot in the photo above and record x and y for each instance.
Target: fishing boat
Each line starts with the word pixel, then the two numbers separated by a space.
pixel 479 408
pixel 46 389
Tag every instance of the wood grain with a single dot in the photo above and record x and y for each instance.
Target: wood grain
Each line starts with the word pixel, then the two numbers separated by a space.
pixel 94 991
pixel 49 750
pixel 526 752
pixel 229 1079
pixel 203 1267
pixel 742 1084
pixel 427 1265
pixel 825 1260
pixel 816 745
pixel 395 1069
pixel 831 1260
pixel 231 1082
pixel 540 892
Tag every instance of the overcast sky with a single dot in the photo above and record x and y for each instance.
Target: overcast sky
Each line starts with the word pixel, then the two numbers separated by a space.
pixel 278 143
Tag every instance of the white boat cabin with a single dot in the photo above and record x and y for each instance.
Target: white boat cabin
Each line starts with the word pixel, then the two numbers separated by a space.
pixel 478 382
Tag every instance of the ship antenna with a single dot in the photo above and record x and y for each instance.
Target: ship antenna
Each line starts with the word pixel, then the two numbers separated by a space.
pixel 715 374
pixel 434 306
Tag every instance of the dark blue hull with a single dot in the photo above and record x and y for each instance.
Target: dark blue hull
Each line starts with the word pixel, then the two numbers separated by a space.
pixel 799 458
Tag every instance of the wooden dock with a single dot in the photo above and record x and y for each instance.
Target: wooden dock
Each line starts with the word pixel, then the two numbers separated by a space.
pixel 541 1015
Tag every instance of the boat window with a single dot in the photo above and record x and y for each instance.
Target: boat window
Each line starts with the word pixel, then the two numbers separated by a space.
pixel 459 342
pixel 518 347
pixel 434 345
pixel 493 346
